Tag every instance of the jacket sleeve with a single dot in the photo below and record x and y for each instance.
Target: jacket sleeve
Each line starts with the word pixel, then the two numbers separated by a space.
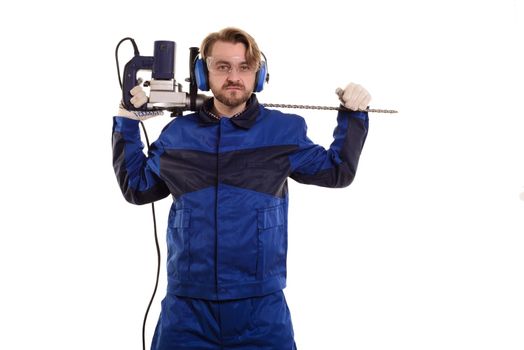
pixel 336 167
pixel 137 175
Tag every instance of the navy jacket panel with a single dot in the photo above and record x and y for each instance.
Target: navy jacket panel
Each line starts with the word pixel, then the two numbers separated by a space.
pixel 227 227
pixel 336 167
pixel 137 175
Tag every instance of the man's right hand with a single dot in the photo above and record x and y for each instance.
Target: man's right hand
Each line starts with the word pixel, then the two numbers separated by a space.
pixel 139 96
pixel 138 100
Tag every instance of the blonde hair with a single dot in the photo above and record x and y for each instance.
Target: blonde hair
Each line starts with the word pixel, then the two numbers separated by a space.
pixel 233 35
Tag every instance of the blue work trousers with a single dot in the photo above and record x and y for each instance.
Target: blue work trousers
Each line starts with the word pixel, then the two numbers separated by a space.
pixel 243 324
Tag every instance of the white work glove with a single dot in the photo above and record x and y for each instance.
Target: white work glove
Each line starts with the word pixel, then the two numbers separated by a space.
pixel 354 97
pixel 138 100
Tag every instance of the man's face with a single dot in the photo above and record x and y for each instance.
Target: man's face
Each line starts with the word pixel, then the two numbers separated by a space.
pixel 231 79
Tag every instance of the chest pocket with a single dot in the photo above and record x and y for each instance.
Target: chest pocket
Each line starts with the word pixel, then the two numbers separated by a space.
pixel 272 242
pixel 182 218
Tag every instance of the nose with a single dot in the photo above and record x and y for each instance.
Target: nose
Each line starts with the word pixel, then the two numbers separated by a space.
pixel 233 73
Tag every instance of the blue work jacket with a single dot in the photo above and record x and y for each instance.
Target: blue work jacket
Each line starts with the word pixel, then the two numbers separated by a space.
pixel 227 227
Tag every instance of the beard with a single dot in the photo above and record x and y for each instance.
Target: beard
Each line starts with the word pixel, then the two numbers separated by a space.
pixel 232 98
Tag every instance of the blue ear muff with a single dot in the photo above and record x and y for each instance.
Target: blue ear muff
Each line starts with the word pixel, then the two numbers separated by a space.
pixel 262 77
pixel 201 75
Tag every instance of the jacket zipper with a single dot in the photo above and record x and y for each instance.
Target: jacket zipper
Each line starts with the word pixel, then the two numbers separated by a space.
pixel 216 207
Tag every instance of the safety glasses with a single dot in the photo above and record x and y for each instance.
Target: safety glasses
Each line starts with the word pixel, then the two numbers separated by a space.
pixel 225 65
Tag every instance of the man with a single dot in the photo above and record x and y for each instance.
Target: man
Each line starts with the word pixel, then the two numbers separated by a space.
pixel 226 167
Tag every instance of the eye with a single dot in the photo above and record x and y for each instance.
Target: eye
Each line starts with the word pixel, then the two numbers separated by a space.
pixel 244 68
pixel 223 67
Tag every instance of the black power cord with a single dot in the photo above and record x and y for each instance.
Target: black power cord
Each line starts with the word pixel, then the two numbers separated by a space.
pixel 137 53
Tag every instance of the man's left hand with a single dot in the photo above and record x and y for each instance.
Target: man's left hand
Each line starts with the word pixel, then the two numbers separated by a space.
pixel 354 97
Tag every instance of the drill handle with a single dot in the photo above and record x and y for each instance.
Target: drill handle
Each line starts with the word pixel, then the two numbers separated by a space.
pixel 130 79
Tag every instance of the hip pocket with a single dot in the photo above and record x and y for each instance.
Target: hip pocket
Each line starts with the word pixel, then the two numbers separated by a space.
pixel 272 241
pixel 179 243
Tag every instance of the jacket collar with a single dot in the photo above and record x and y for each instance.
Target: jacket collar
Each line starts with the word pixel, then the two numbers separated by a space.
pixel 244 119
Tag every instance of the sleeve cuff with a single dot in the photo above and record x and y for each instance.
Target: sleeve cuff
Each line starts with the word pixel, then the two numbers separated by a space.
pixel 123 124
pixel 363 115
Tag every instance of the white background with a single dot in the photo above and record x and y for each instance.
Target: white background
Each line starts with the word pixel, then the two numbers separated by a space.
pixel 423 251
